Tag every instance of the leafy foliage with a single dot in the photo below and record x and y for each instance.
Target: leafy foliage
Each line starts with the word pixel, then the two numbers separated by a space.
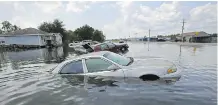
pixel 56 26
pixel 98 36
pixel 8 27
pixel 72 36
pixel 85 32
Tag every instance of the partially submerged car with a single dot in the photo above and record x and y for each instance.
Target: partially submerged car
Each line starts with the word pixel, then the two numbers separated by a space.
pixel 74 44
pixel 121 41
pixel 106 63
pixel 107 46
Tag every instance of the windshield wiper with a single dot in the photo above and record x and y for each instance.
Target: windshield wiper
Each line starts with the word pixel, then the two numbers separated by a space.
pixel 131 61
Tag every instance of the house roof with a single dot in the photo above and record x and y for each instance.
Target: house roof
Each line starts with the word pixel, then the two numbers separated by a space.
pixel 200 34
pixel 26 31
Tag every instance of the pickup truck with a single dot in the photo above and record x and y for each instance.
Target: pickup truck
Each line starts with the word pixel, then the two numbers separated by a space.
pixel 106 46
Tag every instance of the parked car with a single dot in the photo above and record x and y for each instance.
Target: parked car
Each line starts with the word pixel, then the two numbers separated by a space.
pixel 106 63
pixel 121 41
pixel 75 43
pixel 107 46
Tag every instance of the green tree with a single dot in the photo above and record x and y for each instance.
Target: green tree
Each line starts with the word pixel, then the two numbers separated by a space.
pixel 14 28
pixel 47 27
pixel 98 36
pixel 56 26
pixel 72 36
pixel 6 26
pixel 84 33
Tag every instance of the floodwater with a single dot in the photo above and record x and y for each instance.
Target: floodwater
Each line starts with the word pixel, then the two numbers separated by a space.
pixel 24 80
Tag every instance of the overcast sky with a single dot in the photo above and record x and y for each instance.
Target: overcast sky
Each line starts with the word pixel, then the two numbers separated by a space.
pixel 116 19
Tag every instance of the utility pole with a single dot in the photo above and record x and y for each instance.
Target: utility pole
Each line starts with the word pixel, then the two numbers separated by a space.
pixel 149 33
pixel 183 22
pixel 148 38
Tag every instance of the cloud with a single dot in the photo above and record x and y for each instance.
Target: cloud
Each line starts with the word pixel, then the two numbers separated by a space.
pixel 140 19
pixel 162 20
pixel 126 18
pixel 18 7
pixel 204 17
pixel 78 6
pixel 49 7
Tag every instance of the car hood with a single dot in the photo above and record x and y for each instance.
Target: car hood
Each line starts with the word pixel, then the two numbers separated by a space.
pixel 140 67
pixel 150 63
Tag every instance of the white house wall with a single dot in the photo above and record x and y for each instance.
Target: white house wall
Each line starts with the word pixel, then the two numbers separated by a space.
pixel 42 40
pixel 58 39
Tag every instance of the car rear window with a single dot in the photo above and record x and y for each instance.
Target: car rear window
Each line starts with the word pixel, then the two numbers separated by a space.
pixel 117 58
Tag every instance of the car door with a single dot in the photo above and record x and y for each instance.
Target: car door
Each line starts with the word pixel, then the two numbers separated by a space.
pixel 101 67
pixel 104 47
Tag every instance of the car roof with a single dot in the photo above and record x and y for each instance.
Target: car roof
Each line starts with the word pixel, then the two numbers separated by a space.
pixel 99 53
pixel 93 54
pixel 101 43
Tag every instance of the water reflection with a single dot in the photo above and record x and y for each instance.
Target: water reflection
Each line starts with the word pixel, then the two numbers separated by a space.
pixel 16 59
pixel 92 82
pixel 2 59
pixel 87 80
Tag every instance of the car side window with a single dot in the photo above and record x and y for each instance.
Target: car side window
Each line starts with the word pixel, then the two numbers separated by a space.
pixel 111 45
pixel 98 64
pixel 74 67
pixel 104 46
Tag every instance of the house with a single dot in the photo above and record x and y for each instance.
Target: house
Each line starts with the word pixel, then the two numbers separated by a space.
pixel 31 36
pixel 199 37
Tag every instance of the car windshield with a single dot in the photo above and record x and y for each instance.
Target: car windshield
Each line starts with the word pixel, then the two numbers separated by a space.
pixel 124 61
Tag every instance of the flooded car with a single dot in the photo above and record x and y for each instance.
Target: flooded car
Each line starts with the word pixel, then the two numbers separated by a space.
pixel 107 46
pixel 105 63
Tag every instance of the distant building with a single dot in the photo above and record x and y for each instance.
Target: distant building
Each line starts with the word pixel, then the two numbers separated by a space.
pixel 151 39
pixel 199 37
pixel 135 39
pixel 31 36
pixel 163 38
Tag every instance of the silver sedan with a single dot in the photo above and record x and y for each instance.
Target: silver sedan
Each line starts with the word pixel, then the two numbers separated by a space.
pixel 105 63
